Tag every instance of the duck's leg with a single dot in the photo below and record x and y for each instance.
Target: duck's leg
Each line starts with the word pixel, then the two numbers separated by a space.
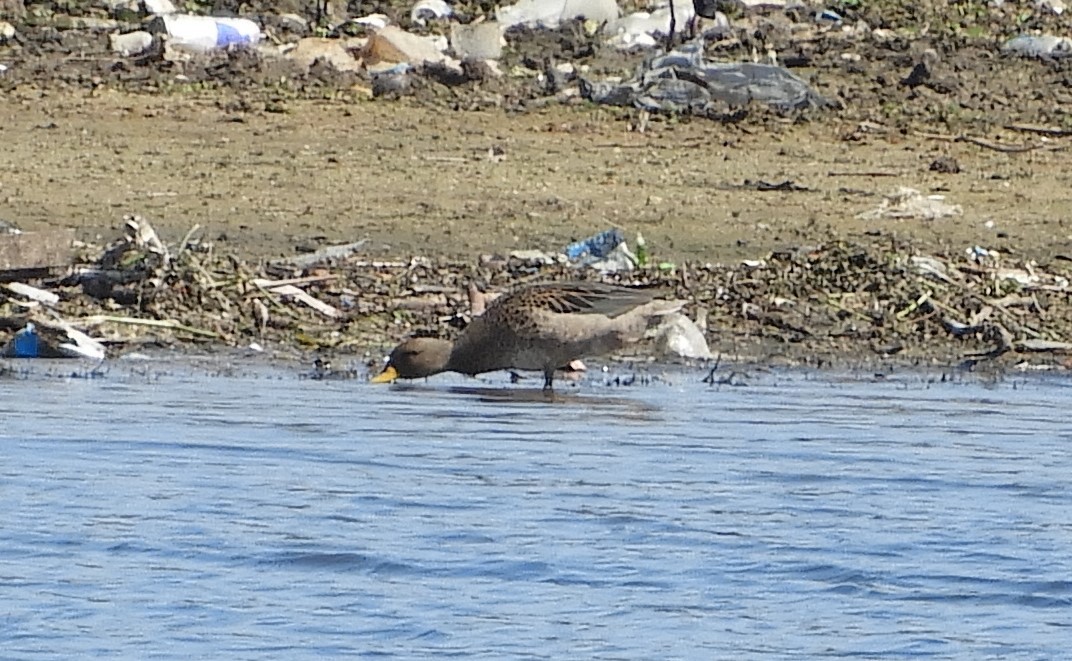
pixel 548 378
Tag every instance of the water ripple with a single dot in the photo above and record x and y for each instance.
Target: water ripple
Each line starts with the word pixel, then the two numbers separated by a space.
pixel 256 516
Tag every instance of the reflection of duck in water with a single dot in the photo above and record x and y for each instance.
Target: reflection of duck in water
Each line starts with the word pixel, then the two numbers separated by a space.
pixel 539 327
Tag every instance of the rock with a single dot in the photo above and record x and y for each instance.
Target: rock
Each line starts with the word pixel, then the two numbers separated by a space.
pixel 131 43
pixel 12 9
pixel 393 44
pixel 129 10
pixel 335 11
pixel 65 22
pixel 392 82
pixel 945 165
pixel 477 41
pixel 334 51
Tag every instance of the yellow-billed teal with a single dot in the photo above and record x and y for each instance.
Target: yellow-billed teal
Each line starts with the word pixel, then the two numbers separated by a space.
pixel 539 327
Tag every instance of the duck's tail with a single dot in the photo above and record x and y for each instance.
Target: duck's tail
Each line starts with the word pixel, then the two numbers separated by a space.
pixel 659 308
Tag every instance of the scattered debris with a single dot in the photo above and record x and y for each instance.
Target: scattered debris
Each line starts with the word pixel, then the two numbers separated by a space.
pixel 606 252
pixel 679 337
pixel 71 342
pixel 910 203
pixel 596 246
pixel 683 81
pixel 375 21
pixel 288 290
pixel 131 43
pixel 327 254
pixel 25 344
pixel 33 293
pixel 392 44
pixel 157 7
pixel 426 10
pixel 1046 45
pixel 201 34
pixel 335 52
pixel 552 13
pixel 7 32
pixel 643 29
pixel 53 339
pixel 976 303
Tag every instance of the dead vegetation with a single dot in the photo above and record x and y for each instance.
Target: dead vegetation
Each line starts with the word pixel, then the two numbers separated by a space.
pixel 834 303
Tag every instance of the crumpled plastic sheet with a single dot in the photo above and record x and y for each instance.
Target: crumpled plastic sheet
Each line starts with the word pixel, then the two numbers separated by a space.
pixel 1046 45
pixel 682 80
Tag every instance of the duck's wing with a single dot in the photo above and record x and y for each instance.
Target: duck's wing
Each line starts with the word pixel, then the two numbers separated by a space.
pixel 568 298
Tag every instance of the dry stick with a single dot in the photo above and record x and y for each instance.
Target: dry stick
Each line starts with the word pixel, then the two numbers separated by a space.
pixel 304 280
pixel 446 159
pixel 169 324
pixel 186 239
pixel 836 173
pixel 834 303
pixel 273 300
pixel 1008 149
pixel 620 145
pixel 914 305
pixel 1016 323
pixel 1044 130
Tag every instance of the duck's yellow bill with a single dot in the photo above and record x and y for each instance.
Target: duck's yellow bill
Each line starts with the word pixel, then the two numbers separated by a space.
pixel 388 375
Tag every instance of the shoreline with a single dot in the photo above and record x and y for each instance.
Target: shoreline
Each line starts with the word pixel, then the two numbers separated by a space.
pixel 839 305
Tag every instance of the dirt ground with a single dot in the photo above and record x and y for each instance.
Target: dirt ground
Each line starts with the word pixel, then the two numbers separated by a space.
pixel 270 161
pixel 419 180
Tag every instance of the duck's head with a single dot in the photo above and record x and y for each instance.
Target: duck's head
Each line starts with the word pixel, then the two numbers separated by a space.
pixel 416 358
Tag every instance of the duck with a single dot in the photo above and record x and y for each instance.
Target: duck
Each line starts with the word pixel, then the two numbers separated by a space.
pixel 539 327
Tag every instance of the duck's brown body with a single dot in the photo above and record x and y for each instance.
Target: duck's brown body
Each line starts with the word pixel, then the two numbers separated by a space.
pixel 539 327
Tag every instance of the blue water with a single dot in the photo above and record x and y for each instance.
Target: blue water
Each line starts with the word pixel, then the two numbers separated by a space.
pixel 182 515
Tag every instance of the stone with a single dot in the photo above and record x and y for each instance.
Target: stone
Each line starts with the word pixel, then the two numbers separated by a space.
pixel 477 41
pixel 334 51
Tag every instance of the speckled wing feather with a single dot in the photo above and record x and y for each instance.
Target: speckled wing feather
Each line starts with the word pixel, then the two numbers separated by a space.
pixel 571 298
pixel 542 327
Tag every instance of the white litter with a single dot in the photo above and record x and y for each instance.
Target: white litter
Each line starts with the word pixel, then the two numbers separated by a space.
pixel 910 203
pixel 551 13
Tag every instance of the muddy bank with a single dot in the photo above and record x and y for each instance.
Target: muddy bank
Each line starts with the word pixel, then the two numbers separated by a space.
pixel 833 304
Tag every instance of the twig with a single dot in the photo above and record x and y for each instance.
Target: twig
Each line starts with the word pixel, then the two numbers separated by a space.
pixel 170 324
pixel 186 239
pixel 1044 130
pixel 446 159
pixel 305 280
pixel 980 142
pixel 838 173
pixel 913 306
